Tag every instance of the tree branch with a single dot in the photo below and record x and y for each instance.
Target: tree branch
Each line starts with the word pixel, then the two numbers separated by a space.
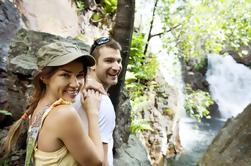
pixel 161 33
pixel 151 26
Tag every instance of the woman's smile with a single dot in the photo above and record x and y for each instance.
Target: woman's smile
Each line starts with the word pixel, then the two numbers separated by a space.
pixel 71 93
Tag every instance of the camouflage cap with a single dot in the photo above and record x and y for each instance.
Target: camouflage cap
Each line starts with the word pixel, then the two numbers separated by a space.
pixel 60 53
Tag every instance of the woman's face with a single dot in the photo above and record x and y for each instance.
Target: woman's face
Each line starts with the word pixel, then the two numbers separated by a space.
pixel 65 82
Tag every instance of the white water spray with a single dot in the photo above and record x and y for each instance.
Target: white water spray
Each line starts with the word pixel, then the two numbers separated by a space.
pixel 229 83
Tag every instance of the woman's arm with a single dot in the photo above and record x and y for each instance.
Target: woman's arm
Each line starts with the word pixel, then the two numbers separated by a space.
pixel 87 150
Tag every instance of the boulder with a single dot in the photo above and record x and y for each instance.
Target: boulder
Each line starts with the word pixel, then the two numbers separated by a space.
pixel 9 25
pixel 244 59
pixel 132 153
pixel 51 16
pixel 231 147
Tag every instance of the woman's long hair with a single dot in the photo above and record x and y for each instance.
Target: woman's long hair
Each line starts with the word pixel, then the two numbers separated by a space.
pixel 19 125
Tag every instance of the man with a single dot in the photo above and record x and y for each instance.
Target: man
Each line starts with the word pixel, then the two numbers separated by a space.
pixel 106 52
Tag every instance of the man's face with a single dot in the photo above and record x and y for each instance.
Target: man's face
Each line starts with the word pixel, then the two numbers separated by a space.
pixel 108 66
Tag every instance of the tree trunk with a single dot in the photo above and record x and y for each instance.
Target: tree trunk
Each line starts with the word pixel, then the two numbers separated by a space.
pixel 122 33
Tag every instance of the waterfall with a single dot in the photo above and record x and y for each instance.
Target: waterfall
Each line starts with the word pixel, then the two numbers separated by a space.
pixel 229 84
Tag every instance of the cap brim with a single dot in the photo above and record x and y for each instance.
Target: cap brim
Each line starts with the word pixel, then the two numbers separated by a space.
pixel 87 60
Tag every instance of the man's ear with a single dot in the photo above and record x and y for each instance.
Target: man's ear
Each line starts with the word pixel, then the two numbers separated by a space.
pixel 93 68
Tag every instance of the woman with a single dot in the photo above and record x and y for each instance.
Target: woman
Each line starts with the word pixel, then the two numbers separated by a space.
pixel 55 134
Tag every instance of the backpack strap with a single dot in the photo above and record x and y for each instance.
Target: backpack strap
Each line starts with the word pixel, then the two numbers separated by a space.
pixel 34 130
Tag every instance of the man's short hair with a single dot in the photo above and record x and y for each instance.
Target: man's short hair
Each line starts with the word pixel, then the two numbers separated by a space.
pixel 103 42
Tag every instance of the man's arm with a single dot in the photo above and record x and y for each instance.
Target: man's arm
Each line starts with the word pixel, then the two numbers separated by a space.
pixel 105 147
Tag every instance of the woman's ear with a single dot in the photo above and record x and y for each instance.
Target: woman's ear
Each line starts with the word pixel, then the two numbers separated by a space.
pixel 43 79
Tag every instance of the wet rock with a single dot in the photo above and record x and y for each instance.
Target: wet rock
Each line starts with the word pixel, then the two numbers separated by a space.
pixel 231 147
pixel 243 59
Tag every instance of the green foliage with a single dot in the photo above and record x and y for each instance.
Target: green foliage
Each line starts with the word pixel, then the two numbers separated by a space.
pixel 110 6
pixel 81 37
pixel 141 69
pixel 4 162
pixel 140 77
pixel 97 17
pixel 136 89
pixel 149 68
pixel 139 65
pixel 139 125
pixel 80 5
pixel 137 56
pixel 105 14
pixel 4 112
pixel 206 26
pixel 105 10
pixel 200 64
pixel 197 103
pixel 169 112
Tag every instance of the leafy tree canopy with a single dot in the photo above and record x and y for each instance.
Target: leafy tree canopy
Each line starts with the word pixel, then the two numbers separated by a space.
pixel 206 26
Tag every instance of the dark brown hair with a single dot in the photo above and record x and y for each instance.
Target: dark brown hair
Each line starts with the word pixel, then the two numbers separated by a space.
pixel 19 125
pixel 111 44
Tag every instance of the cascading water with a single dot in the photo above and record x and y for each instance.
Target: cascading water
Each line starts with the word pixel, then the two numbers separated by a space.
pixel 230 84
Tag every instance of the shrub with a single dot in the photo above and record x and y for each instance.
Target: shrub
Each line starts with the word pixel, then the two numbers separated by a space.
pixel 197 103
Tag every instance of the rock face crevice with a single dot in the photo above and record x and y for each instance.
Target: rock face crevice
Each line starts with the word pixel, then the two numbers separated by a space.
pixel 160 110
pixel 22 51
pixel 232 144
pixel 9 25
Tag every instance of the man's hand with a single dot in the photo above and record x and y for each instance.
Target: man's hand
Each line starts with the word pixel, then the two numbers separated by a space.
pixel 93 84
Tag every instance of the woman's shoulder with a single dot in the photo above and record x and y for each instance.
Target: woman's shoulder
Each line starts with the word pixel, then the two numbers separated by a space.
pixel 62 120
pixel 64 113
pixel 64 107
